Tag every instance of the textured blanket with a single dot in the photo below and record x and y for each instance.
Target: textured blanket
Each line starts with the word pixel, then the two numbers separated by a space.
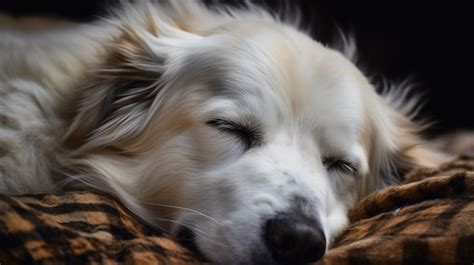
pixel 428 219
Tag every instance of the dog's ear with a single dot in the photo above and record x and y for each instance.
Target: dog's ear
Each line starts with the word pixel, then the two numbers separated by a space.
pixel 119 94
pixel 394 141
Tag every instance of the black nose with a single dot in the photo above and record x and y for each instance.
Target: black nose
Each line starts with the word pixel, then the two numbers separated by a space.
pixel 294 240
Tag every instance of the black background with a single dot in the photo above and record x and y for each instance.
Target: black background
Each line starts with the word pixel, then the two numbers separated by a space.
pixel 430 42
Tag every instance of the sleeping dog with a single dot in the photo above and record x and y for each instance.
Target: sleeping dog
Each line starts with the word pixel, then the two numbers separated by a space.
pixel 229 128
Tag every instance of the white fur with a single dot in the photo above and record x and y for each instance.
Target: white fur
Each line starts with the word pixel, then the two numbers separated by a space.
pixel 154 149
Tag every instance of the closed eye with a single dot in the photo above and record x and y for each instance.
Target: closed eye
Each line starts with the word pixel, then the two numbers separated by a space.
pixel 249 134
pixel 336 164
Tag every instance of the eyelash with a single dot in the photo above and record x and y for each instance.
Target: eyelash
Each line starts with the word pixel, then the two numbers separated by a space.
pixel 250 135
pixel 339 165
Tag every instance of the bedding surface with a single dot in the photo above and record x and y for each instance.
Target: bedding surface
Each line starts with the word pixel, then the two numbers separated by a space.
pixel 428 219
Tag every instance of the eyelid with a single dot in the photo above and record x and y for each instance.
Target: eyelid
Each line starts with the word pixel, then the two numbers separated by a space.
pixel 249 134
pixel 225 125
pixel 219 122
pixel 343 165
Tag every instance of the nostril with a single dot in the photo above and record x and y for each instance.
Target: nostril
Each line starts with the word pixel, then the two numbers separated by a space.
pixel 294 240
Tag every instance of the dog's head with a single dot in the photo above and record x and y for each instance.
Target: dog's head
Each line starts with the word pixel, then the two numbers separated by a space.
pixel 237 131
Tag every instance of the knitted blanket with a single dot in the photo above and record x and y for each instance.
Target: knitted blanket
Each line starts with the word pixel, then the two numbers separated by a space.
pixel 428 219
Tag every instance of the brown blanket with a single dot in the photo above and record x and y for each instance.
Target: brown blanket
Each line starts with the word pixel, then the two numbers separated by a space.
pixel 428 219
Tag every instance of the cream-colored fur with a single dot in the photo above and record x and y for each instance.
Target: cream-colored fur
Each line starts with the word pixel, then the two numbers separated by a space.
pixel 210 120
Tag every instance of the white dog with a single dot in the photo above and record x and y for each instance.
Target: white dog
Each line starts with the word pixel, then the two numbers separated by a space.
pixel 229 128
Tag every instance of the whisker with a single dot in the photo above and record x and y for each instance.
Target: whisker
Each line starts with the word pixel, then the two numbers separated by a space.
pixel 183 208
pixel 200 233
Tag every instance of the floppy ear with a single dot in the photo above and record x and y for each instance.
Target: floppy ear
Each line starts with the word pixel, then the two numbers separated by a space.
pixel 394 141
pixel 118 96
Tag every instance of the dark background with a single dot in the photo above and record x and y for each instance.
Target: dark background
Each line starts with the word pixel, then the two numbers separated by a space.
pixel 430 42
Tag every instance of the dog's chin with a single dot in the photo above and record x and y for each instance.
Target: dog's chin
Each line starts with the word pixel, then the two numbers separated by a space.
pixel 257 255
pixel 187 238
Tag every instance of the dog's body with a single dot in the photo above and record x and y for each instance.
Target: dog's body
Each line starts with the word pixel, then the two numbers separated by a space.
pixel 231 124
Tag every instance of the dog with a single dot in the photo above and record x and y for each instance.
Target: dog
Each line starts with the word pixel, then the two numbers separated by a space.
pixel 233 130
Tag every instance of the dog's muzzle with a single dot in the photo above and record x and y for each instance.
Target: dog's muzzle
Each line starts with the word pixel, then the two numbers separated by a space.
pixel 293 239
